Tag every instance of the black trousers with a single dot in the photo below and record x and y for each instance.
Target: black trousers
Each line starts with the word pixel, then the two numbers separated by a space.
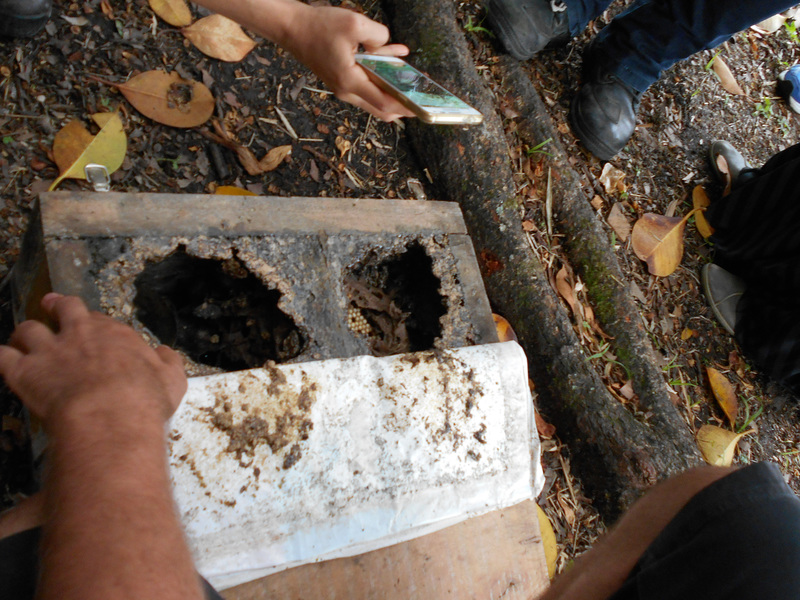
pixel 738 538
pixel 757 237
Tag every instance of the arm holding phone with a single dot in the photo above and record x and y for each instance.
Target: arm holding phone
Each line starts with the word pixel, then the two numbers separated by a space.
pixel 326 40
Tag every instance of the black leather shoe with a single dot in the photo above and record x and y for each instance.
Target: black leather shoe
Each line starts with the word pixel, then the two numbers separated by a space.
pixel 739 169
pixel 723 291
pixel 603 114
pixel 23 18
pixel 526 26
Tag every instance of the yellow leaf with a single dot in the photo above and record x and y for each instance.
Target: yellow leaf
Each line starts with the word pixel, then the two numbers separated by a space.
pixel 701 202
pixel 726 78
pixel 548 541
pixel 658 240
pixel 232 190
pixel 686 334
pixel 168 98
pixel 274 157
pixel 504 331
pixel 219 37
pixel 174 12
pixel 107 148
pixel 724 393
pixel 718 445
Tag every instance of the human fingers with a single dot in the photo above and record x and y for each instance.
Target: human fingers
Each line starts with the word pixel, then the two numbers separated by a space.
pixel 65 310
pixel 30 335
pixel 366 106
pixel 358 88
pixel 371 34
pixel 390 50
pixel 9 359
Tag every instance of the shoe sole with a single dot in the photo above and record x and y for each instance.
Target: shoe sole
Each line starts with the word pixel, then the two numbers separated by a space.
pixel 589 141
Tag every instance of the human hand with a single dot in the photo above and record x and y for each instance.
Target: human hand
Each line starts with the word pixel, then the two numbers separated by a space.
pixel 92 361
pixel 326 40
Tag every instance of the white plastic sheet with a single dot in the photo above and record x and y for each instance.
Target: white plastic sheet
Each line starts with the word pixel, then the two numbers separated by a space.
pixel 277 467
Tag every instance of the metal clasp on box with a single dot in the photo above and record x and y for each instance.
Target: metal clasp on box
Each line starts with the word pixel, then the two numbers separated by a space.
pixel 98 176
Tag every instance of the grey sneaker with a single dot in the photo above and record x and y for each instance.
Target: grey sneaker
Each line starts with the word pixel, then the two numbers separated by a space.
pixel 23 18
pixel 723 291
pixel 526 26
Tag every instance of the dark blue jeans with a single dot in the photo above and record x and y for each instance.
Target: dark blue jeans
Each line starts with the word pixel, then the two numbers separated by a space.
pixel 652 35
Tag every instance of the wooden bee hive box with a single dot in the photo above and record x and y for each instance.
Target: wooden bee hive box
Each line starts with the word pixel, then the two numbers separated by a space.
pixel 234 282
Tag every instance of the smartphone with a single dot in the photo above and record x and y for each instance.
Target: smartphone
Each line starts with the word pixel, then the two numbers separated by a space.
pixel 418 92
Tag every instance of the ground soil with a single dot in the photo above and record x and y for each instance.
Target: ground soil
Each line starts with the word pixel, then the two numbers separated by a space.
pixel 339 151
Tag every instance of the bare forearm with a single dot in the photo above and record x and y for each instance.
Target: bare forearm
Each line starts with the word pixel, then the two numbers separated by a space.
pixel 272 19
pixel 109 504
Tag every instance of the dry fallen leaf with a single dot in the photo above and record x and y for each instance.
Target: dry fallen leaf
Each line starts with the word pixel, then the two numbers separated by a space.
pixel 504 331
pixel 219 37
pixel 342 145
pixel 548 541
pixel 700 202
pixel 718 445
pixel 612 179
pixel 546 430
pixel 770 25
pixel 658 240
pixel 74 147
pixel 726 78
pixel 564 288
pixel 725 394
pixel 686 334
pixel 174 12
pixel 246 157
pixel 232 190
pixel 274 157
pixel 619 222
pixel 168 98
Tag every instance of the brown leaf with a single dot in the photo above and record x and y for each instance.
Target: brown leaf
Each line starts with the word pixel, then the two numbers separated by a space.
pixel 219 37
pixel 701 202
pixel 504 331
pixel 168 98
pixel 724 393
pixel 619 222
pixel 174 12
pixel 232 190
pixel 106 9
pixel 564 288
pixel 545 429
pixel 726 78
pixel 69 143
pixel 658 240
pixel 274 157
